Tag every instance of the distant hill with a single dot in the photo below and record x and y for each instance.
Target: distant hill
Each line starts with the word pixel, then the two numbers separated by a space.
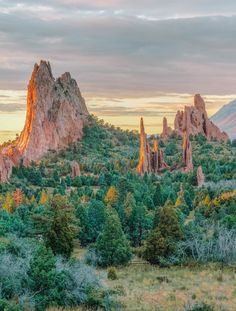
pixel 225 119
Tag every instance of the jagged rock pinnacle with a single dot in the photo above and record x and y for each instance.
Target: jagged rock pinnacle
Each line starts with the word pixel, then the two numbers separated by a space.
pixel 55 117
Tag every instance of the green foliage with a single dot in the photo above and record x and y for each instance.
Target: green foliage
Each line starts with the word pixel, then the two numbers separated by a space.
pixel 200 307
pixel 112 247
pixel 161 241
pixel 44 280
pixel 57 225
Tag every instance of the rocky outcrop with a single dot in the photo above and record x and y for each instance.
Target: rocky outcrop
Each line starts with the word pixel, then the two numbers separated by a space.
pixel 56 115
pixel 144 159
pixel 194 119
pixel 150 160
pixel 200 177
pixel 5 168
pixel 167 131
pixel 75 169
pixel 187 153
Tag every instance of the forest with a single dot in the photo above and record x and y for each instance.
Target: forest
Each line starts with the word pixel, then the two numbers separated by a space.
pixel 65 241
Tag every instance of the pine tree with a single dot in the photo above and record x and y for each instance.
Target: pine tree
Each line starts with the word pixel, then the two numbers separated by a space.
pixel 112 247
pixel 61 231
pixel 162 239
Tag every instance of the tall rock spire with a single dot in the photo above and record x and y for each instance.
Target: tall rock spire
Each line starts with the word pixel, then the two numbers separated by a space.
pixel 187 153
pixel 56 115
pixel 166 131
pixel 150 160
pixel 200 177
pixel 144 159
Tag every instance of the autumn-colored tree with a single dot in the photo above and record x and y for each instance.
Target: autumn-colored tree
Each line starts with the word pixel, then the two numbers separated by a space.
pixel 43 198
pixel 8 204
pixel 206 201
pixel 18 197
pixel 111 196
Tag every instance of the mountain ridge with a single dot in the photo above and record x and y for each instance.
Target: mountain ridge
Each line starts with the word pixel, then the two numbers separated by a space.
pixel 225 118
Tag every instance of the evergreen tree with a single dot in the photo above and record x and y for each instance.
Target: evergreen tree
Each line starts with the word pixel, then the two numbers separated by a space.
pixel 112 247
pixel 45 283
pixel 161 240
pixel 137 224
pixel 61 231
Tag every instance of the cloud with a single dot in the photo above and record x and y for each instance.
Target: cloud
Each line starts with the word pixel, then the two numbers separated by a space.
pixel 9 107
pixel 120 49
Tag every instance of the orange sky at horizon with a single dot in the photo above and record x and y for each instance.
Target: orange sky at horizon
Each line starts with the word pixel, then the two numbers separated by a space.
pixel 123 112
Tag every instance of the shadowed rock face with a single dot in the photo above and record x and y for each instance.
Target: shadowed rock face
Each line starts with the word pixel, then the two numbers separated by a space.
pixel 195 121
pixel 167 131
pixel 75 169
pixel 56 115
pixel 187 153
pixel 5 168
pixel 200 177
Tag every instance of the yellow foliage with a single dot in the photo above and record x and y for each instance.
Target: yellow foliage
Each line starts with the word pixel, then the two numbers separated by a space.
pixel 44 198
pixel 111 196
pixel 8 204
pixel 179 201
pixel 206 201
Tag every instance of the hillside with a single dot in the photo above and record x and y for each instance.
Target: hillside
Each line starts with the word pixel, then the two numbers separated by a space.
pixel 225 119
pixel 47 217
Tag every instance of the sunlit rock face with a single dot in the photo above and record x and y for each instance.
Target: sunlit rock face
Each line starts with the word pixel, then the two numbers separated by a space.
pixel 195 121
pixel 151 160
pixel 56 115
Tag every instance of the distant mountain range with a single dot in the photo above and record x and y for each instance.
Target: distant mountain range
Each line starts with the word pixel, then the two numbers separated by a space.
pixel 225 119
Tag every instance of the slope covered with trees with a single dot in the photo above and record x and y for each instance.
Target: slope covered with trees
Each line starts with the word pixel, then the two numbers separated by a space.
pixel 164 219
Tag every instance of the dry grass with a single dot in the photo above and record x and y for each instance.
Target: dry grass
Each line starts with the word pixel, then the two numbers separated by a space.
pixel 142 287
pixel 169 289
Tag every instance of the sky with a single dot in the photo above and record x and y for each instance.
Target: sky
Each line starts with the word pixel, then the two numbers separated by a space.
pixel 130 58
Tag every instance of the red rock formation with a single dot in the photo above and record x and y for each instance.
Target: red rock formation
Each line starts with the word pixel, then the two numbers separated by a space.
pixel 187 153
pixel 200 177
pixel 144 160
pixel 194 119
pixel 161 160
pixel 56 115
pixel 150 161
pixel 75 169
pixel 5 168
pixel 167 131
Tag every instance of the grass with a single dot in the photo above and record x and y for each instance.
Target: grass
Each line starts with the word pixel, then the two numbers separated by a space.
pixel 141 286
pixel 146 287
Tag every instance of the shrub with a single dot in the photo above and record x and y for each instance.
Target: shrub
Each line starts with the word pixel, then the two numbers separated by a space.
pixel 199 307
pixel 112 274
